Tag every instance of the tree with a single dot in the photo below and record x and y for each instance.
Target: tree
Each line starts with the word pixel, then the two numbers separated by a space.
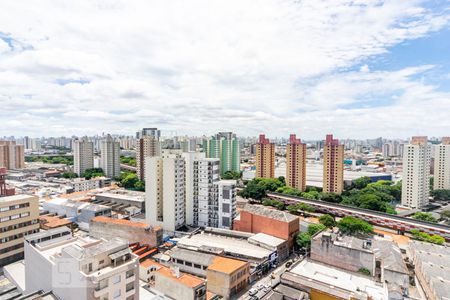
pixel 446 215
pixel 331 197
pixel 443 195
pixel 428 217
pixel 231 175
pixel 425 237
pixel 315 228
pixel 295 208
pixel 69 175
pixel 257 188
pixel 351 226
pixel 327 220
pixel 361 182
pixel 129 180
pixel 303 240
pixel 273 203
pixel 91 173
pixel 139 186
pixel 289 191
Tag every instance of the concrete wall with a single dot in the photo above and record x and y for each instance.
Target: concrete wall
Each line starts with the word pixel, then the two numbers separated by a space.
pixel 173 288
pixel 132 234
pixel 342 257
pixel 256 224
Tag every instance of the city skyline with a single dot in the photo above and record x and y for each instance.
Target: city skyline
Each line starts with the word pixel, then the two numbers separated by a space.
pixel 282 67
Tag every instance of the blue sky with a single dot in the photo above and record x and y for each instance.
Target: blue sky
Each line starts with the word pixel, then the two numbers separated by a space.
pixel 358 69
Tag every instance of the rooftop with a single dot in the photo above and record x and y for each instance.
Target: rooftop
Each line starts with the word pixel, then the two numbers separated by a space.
pixel 183 278
pixel 150 262
pixel 267 239
pixel 270 213
pixel 226 265
pixel 16 198
pixel 332 278
pixel 54 221
pixel 232 246
pixel 123 222
pixel 201 258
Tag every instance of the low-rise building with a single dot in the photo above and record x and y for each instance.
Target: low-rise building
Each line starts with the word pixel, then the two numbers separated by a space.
pixel 108 228
pixel 121 199
pixel 432 268
pixel 172 282
pixel 81 184
pixel 47 222
pixel 18 218
pixel 325 282
pixel 227 277
pixel 278 246
pixel 80 267
pixel 261 219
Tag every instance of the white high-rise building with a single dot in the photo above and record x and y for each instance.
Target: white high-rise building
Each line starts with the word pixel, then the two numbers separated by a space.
pixel 416 172
pixel 442 165
pixel 80 268
pixel 165 190
pixel 110 157
pixel 191 188
pixel 83 155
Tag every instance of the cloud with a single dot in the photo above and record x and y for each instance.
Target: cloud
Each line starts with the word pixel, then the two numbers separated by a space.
pixel 201 66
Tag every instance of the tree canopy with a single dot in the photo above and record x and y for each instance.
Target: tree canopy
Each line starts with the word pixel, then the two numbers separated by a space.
pixel 424 216
pixel 443 195
pixel 231 175
pixel 352 226
pixel 94 172
pixel 327 220
pixel 425 237
pixel 257 188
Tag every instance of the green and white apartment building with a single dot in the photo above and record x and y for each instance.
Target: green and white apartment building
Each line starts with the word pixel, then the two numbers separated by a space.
pixel 224 146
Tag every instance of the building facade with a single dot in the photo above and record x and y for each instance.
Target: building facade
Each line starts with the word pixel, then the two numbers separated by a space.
pixel 416 173
pixel 333 165
pixel 165 190
pixel 296 163
pixel 110 157
pixel 224 146
pixel 147 146
pixel 442 165
pixel 265 158
pixel 11 155
pixel 18 217
pixel 80 268
pixel 83 156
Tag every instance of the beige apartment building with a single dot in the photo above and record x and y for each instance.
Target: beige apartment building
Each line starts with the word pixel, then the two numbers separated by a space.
pixel 296 163
pixel 11 155
pixel 333 165
pixel 147 146
pixel 442 165
pixel 18 217
pixel 265 158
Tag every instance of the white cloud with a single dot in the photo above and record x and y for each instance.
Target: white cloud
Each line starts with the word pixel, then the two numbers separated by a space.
pixel 202 66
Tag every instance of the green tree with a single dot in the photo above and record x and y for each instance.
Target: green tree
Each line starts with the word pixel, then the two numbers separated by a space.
pixel 258 187
pixel 231 175
pixel 289 191
pixel 361 182
pixel 331 197
pixel 303 240
pixel 327 220
pixel 425 237
pixel 295 208
pixel 139 185
pixel 91 173
pixel 443 195
pixel 129 180
pixel 351 226
pixel 424 217
pixel 69 175
pixel 315 228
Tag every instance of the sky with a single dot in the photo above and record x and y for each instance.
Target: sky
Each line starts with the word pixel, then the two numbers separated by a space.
pixel 357 69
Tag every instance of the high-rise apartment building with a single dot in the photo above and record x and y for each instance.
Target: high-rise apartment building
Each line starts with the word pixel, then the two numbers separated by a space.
pixel 296 163
pixel 11 155
pixel 83 155
pixel 154 132
pixel 224 146
pixel 416 173
pixel 442 165
pixel 191 190
pixel 146 146
pixel 333 165
pixel 265 158
pixel 110 157
pixel 18 217
pixel 80 268
pixel 165 190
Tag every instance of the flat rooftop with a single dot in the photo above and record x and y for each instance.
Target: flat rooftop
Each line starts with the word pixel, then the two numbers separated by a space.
pixel 337 278
pixel 124 195
pixel 233 246
pixel 16 198
pixel 269 213
pixel 226 265
pixel 123 222
pixel 267 239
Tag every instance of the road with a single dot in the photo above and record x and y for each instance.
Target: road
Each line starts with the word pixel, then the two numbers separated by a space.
pixel 267 281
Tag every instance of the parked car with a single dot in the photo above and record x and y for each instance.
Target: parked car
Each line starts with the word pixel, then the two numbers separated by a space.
pixel 260 286
pixel 253 292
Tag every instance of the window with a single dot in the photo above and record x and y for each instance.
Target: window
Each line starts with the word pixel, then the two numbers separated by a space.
pixel 225 207
pixel 116 279
pixel 117 294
